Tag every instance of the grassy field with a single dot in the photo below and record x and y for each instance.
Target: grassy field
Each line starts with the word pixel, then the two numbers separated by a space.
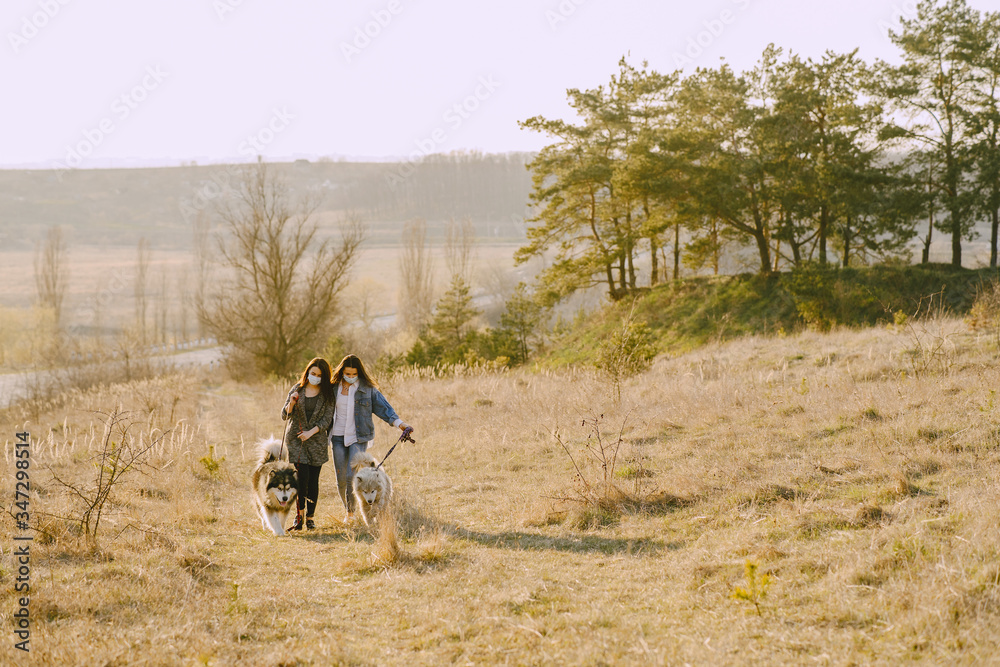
pixel 852 476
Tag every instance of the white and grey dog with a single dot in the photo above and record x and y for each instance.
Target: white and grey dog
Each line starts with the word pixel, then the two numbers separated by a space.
pixel 275 486
pixel 372 487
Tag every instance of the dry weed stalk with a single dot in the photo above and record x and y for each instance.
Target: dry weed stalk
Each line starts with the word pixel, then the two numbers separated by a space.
pixel 114 459
pixel 604 497
pixel 930 352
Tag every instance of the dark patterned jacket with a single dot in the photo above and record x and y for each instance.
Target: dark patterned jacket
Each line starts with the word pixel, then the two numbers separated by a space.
pixel 315 450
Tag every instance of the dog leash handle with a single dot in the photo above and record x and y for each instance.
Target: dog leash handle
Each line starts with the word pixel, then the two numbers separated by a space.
pixel 405 437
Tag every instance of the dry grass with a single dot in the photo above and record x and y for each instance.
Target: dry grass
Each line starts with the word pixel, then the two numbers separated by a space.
pixel 866 495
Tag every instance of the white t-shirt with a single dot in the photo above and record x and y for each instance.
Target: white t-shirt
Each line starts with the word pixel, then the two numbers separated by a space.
pixel 343 416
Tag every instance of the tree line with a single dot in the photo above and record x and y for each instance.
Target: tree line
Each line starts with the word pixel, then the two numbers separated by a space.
pixel 828 161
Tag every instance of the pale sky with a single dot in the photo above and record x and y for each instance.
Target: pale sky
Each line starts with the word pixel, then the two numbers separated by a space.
pixel 156 82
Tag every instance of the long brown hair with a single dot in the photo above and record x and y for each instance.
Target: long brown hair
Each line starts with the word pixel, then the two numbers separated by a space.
pixel 326 384
pixel 352 361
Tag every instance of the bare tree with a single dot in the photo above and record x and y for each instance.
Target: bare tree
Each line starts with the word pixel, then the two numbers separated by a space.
pixel 365 297
pixel 141 284
pixel 162 308
pixel 202 265
pixel 181 324
pixel 417 295
pixel 460 239
pixel 284 282
pixel 499 282
pixel 52 272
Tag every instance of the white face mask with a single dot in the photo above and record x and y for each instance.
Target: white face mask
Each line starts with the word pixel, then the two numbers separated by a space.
pixel 314 380
pixel 350 380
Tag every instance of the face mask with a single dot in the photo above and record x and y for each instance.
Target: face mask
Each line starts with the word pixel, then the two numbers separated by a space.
pixel 315 380
pixel 350 380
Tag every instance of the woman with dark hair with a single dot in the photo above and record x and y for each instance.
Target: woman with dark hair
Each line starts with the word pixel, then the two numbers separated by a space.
pixel 311 414
pixel 358 398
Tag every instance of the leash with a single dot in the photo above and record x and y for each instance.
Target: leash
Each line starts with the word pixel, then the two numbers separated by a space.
pixel 288 422
pixel 403 438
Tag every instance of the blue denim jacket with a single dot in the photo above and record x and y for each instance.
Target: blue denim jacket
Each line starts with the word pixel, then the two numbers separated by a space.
pixel 368 401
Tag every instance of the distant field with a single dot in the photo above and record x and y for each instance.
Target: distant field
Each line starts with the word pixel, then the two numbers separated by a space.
pixel 107 274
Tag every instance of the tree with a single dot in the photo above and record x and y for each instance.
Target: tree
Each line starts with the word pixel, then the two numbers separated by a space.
pixel 879 208
pixel 826 140
pixel 930 93
pixel 522 319
pixel 140 287
pixel 454 314
pixel 202 263
pixel 591 206
pixel 459 247
pixel 984 122
pixel 417 292
pixel 730 151
pixel 570 189
pixel 648 174
pixel 52 273
pixel 446 339
pixel 284 282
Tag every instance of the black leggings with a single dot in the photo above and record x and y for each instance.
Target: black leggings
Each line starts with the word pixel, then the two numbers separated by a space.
pixel 308 486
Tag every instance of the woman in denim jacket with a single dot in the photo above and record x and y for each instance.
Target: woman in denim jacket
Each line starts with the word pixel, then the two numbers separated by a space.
pixel 358 398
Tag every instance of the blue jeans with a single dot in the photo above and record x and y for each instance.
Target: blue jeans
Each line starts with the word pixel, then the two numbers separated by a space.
pixel 342 462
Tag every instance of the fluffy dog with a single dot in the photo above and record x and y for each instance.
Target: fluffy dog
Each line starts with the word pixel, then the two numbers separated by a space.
pixel 275 485
pixel 372 487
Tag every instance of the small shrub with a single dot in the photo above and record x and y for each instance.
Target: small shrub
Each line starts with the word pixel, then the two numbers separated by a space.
pixel 756 588
pixel 626 352
pixel 984 315
pixel 212 464
pixel 871 414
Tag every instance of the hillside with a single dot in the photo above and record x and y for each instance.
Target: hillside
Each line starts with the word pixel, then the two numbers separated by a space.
pixel 858 496
pixel 117 206
pixel 694 311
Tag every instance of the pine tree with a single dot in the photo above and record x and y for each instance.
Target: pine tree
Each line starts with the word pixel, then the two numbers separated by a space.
pixel 931 91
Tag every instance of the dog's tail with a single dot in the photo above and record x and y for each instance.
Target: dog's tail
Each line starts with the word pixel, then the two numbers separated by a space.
pixel 270 450
pixel 362 460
